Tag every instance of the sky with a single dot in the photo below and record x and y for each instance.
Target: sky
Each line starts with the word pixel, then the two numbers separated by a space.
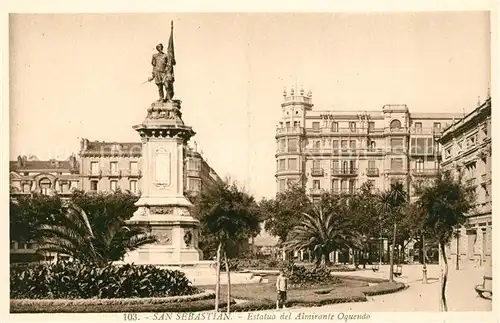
pixel 78 76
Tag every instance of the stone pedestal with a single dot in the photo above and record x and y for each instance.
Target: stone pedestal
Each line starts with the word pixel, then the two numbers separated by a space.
pixel 162 207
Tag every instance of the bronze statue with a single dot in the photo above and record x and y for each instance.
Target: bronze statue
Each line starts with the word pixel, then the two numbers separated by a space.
pixel 163 70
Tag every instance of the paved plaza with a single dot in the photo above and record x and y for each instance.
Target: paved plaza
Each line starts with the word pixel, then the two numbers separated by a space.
pixel 418 297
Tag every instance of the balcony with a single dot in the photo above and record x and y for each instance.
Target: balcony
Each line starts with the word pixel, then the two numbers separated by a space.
pixel 372 172
pixel 424 172
pixel 193 173
pixel 94 173
pixel 360 131
pixel 289 131
pixel 425 131
pixel 317 191
pixel 317 172
pixel 114 173
pixel 421 151
pixel 400 171
pixel 344 171
pixel 132 173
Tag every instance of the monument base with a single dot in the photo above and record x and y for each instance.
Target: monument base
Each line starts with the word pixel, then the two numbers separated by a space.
pixel 158 255
pixel 176 230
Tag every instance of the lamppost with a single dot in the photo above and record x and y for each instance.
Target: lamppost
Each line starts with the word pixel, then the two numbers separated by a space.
pixel 457 236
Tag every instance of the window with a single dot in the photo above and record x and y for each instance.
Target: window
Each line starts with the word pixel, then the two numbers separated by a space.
pixel 372 145
pixel 316 164
pixel 371 125
pixel 94 168
pixel 45 185
pixel 317 144
pixel 352 186
pixel 344 185
pixel 418 127
pixel 417 145
pixel 345 167
pixel 93 185
pixel 113 166
pixel 26 187
pixel 343 144
pixel 395 125
pixel 335 164
pixel 397 145
pixel 352 144
pixel 292 145
pixel 133 167
pixel 316 184
pixel 335 144
pixel 371 164
pixel 133 186
pixel 292 163
pixel 335 185
pixel 113 185
pixel 282 184
pixel 459 144
pixel 419 164
pixel 352 126
pixel 281 164
pixel 335 126
pixel 430 146
pixel 288 124
pixel 281 124
pixel 352 166
pixel 447 153
pixel 282 145
pixel 397 163
pixel 315 125
pixel 63 187
pixel 437 125
pixel 296 123
pixel 371 182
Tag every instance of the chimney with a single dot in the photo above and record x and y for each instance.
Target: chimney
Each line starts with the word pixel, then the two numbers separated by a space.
pixel 195 146
pixel 19 161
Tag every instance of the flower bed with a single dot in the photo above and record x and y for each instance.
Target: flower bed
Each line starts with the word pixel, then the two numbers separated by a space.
pixel 77 281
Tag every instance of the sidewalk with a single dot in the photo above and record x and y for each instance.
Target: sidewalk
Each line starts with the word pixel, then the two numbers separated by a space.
pixel 418 297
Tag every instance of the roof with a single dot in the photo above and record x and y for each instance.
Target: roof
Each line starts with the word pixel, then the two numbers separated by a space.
pixel 40 165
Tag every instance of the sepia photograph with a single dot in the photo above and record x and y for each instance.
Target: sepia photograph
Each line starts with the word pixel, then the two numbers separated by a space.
pixel 254 166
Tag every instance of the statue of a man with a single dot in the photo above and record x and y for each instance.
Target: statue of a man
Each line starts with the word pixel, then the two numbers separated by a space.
pixel 159 74
pixel 163 74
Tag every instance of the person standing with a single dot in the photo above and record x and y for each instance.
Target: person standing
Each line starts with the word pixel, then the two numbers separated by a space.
pixel 281 287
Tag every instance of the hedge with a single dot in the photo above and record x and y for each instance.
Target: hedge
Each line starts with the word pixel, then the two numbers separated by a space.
pixel 72 280
pixel 191 306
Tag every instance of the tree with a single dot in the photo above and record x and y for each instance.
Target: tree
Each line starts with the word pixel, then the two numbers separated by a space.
pixel 392 205
pixel 446 204
pixel 326 229
pixel 284 212
pixel 91 228
pixel 229 214
pixel 29 212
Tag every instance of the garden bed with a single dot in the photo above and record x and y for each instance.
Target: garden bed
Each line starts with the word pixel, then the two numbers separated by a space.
pixel 350 289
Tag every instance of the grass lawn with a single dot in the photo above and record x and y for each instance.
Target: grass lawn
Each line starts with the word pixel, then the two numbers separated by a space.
pixel 261 291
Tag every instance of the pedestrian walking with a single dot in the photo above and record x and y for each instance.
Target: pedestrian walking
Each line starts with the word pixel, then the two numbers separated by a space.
pixel 281 288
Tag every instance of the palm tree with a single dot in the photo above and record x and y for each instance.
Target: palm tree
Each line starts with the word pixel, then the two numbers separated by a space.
pixel 231 215
pixel 322 232
pixel 75 237
pixel 392 205
pixel 446 204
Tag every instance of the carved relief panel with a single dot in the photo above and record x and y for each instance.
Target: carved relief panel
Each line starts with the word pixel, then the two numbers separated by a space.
pixel 164 235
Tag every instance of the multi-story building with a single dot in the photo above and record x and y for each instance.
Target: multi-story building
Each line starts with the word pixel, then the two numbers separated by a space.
pixel 101 166
pixel 30 175
pixel 338 151
pixel 108 166
pixel 467 152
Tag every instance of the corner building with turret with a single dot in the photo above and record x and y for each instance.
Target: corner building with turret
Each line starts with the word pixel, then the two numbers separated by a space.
pixel 338 151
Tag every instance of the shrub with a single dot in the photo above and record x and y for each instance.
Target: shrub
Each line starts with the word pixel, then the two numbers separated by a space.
pixel 303 276
pixel 73 280
pixel 234 265
pixel 254 305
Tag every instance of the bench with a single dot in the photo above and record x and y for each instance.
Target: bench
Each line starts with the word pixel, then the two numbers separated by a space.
pixel 485 289
pixel 399 271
